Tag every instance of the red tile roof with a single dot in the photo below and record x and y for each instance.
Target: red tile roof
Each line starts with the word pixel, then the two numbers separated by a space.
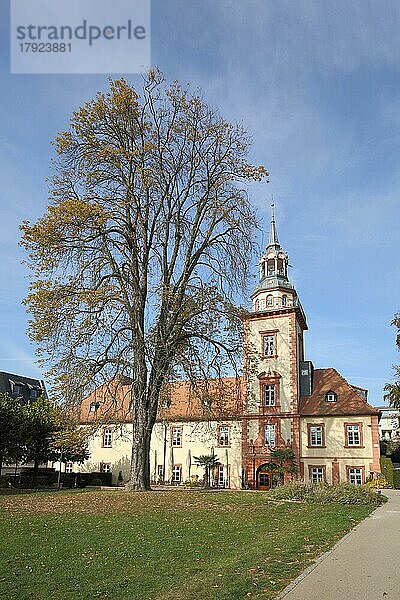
pixel 214 399
pixel 350 399
pixel 223 399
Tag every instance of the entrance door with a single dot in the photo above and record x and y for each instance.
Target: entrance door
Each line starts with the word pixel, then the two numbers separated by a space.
pixel 263 482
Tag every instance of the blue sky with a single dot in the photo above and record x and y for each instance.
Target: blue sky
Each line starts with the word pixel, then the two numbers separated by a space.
pixel 317 83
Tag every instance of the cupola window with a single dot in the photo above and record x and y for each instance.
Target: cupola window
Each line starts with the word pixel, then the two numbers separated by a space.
pixel 284 300
pixel 271 267
pixel 269 300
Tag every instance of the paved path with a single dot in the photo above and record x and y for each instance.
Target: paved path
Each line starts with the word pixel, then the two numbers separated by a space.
pixel 364 565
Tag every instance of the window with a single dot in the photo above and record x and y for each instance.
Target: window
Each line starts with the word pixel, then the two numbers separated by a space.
pixel 176 474
pixel 107 438
pixel 316 435
pixel 269 395
pixel 355 475
pixel 284 300
pixel 317 474
pixel 269 300
pixel 223 435
pixel 223 479
pixel 269 435
pixel 69 467
pixel 160 472
pixel 353 435
pixel 94 406
pixel 330 396
pixel 257 305
pixel 16 389
pixel 269 345
pixel 105 468
pixel 207 403
pixel 176 437
pixel 33 393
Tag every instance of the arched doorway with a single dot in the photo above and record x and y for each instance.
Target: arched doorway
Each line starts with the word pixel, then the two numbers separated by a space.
pixel 264 477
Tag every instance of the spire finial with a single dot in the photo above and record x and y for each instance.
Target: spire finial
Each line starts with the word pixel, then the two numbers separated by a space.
pixel 273 236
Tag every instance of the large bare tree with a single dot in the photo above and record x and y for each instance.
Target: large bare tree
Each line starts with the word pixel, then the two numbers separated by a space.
pixel 143 248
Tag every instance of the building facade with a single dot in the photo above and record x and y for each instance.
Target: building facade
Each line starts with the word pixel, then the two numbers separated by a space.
pixel 389 424
pixel 281 402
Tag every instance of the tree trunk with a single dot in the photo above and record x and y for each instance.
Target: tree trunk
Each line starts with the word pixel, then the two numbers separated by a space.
pixel 35 471
pixel 140 459
pixel 142 425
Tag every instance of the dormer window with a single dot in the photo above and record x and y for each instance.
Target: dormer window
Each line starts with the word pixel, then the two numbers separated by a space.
pixel 330 396
pixel 16 389
pixel 165 403
pixel 94 406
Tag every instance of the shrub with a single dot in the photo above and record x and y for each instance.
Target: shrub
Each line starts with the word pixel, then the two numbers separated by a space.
pixel 396 479
pixel 297 489
pixel 380 483
pixel 95 481
pixel 7 481
pixel 387 469
pixel 341 493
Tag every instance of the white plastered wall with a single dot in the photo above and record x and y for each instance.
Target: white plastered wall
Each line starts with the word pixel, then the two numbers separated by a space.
pixel 335 446
pixel 198 437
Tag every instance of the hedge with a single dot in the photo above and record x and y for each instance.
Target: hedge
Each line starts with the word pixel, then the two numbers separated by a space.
pixel 396 479
pixel 387 469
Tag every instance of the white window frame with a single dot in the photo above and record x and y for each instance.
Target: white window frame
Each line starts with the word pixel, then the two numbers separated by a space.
pixel 222 476
pixel 317 474
pixel 107 438
pixel 224 435
pixel 355 475
pixel 69 467
pixel 105 468
pixel 353 435
pixel 316 435
pixel 270 434
pixel 269 345
pixel 330 397
pixel 176 437
pixel 269 394
pixel 176 474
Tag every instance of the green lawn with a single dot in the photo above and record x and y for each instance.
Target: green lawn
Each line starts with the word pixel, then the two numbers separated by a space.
pixel 160 545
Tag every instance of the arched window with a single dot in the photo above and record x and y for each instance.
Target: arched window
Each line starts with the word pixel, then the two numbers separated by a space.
pixel 284 300
pixel 269 300
pixel 271 267
pixel 257 305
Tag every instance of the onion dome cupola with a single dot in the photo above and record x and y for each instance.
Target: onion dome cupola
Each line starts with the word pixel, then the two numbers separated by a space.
pixel 274 289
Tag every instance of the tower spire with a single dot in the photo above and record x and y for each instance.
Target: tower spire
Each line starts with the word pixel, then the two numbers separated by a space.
pixel 273 235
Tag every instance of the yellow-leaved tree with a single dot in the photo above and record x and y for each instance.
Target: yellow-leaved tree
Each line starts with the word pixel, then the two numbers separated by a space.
pixel 144 246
